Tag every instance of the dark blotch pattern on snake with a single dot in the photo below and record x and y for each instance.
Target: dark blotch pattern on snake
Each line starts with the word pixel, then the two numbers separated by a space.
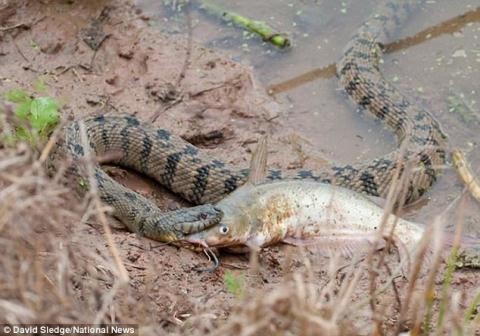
pixel 201 179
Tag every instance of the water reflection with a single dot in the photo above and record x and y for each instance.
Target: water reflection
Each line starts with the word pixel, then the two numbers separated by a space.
pixel 447 27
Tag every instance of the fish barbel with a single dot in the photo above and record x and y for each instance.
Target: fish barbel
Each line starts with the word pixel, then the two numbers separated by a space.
pixel 300 212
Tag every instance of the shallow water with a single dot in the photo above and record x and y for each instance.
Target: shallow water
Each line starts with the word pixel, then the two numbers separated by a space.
pixel 440 73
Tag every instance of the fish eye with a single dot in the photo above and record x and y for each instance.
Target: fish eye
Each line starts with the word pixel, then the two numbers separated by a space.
pixel 223 229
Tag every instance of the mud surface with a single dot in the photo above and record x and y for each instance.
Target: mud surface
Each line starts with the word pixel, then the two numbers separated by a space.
pixel 108 56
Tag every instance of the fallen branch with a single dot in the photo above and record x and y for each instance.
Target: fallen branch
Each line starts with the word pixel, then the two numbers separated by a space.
pixel 257 27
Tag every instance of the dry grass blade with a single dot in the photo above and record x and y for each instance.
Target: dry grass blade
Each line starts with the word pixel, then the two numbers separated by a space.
pixel 434 259
pixel 396 195
pixel 450 268
pixel 123 274
pixel 466 174
pixel 13 161
pixel 414 275
pixel 346 290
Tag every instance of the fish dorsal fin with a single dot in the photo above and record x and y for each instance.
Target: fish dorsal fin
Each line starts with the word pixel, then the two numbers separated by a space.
pixel 381 202
pixel 258 165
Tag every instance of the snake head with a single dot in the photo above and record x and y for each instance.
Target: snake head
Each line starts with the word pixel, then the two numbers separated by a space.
pixel 196 219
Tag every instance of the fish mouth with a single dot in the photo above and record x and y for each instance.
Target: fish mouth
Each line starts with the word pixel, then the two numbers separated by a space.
pixel 208 242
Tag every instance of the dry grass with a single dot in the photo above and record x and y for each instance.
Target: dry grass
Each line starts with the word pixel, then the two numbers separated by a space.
pixel 47 275
pixel 36 276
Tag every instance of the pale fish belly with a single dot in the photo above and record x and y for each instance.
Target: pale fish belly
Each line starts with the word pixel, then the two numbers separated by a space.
pixel 296 211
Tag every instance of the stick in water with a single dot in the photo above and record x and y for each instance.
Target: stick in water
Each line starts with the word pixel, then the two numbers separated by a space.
pixel 257 27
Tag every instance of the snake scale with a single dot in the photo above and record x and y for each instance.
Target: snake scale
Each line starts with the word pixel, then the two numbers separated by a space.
pixel 203 180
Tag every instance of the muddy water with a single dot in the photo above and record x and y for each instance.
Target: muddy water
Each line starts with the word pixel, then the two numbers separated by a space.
pixel 439 71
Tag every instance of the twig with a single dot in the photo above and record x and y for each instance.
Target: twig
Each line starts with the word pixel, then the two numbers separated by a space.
pixel 96 50
pixel 165 108
pixel 188 52
pixel 395 289
pixel 257 27
pixel 50 144
pixel 20 51
pixel 465 173
pixel 136 266
pixel 22 25
pixel 19 25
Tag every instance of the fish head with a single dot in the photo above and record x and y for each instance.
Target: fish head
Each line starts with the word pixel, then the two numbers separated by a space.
pixel 232 230
pixel 236 225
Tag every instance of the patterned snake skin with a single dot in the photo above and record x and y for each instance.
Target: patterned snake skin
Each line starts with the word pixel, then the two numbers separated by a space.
pixel 202 179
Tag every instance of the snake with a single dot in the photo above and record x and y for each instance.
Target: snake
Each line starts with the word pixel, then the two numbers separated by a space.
pixel 203 180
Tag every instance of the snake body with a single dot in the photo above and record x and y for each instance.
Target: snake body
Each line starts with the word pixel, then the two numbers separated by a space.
pixel 204 180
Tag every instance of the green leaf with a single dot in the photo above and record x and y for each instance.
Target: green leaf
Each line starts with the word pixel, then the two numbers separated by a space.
pixel 44 113
pixel 39 115
pixel 82 183
pixel 17 96
pixel 23 134
pixel 22 110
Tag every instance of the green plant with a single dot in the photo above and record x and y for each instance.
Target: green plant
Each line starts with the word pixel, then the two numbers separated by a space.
pixel 234 283
pixel 36 116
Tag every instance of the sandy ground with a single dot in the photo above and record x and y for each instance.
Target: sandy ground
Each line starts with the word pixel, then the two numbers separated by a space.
pixel 196 93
